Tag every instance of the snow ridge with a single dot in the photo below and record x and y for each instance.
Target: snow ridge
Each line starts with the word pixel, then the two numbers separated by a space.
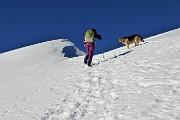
pixel 140 83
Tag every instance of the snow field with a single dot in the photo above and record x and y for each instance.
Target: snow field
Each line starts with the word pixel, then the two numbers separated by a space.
pixel 140 83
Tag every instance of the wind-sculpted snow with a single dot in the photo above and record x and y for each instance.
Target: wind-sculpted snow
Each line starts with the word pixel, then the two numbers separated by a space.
pixel 140 83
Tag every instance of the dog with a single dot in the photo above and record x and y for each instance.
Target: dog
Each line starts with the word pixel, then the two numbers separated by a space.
pixel 131 39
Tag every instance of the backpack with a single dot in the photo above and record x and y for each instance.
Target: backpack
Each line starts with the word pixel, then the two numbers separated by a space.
pixel 89 36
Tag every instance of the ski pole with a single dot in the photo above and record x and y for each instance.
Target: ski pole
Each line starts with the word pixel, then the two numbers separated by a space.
pixel 102 48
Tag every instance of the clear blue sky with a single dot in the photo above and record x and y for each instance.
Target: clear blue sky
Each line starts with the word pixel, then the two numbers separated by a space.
pixel 26 22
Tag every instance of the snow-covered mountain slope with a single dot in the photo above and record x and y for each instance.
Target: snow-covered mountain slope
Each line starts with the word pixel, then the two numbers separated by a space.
pixel 36 57
pixel 24 70
pixel 172 33
pixel 140 83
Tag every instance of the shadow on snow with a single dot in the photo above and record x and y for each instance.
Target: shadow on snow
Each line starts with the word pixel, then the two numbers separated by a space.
pixel 113 57
pixel 69 51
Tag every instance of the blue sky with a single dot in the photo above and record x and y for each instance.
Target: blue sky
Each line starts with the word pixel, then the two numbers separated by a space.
pixel 26 22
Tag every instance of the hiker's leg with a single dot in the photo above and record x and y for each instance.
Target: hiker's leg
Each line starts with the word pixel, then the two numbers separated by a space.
pixel 91 52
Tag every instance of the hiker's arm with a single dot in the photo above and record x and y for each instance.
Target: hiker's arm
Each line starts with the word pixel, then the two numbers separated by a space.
pixel 98 36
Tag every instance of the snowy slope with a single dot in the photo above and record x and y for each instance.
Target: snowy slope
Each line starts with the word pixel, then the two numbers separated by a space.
pixel 36 57
pixel 140 83
pixel 25 70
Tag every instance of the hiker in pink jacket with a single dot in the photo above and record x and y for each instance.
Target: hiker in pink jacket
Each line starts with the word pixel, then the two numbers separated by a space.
pixel 89 41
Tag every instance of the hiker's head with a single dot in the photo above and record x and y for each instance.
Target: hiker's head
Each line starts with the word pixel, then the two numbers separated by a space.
pixel 94 30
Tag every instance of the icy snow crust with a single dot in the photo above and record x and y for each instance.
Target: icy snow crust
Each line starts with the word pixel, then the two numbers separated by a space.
pixel 140 83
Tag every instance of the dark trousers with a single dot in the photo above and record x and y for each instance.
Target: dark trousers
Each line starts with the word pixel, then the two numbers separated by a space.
pixel 90 46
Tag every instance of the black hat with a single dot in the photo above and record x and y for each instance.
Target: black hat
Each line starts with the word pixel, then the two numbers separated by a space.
pixel 94 30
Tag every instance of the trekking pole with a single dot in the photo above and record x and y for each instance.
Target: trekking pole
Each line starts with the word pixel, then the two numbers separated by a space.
pixel 102 48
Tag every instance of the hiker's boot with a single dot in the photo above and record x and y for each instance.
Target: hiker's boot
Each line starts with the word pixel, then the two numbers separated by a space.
pixel 89 64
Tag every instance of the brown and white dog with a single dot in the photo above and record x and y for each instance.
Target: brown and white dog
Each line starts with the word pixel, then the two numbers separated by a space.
pixel 131 39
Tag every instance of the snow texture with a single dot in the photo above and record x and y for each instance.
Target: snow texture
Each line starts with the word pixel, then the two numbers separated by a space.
pixel 49 81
